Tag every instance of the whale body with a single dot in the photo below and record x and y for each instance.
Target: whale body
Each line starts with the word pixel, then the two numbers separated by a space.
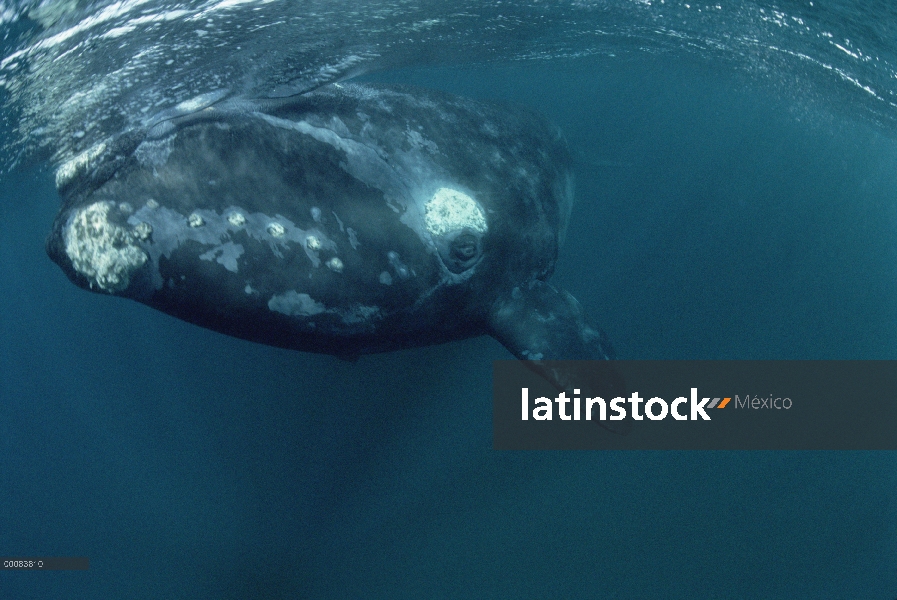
pixel 349 220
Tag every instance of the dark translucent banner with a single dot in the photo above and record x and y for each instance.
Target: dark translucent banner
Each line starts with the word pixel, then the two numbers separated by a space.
pixel 695 405
pixel 44 563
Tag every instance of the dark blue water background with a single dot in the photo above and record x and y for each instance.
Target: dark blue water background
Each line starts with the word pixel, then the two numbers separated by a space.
pixel 716 218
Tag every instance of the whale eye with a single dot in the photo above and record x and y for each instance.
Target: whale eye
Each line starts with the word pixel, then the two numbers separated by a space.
pixel 464 247
pixel 460 250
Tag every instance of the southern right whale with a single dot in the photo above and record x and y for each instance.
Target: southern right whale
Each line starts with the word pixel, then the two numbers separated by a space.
pixel 349 220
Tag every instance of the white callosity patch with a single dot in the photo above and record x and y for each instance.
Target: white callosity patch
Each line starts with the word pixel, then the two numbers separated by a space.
pixel 143 231
pixel 105 253
pixel 70 169
pixel 450 210
pixel 401 269
pixel 335 265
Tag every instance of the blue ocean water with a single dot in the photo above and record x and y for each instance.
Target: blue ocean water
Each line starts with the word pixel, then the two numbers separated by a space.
pixel 722 212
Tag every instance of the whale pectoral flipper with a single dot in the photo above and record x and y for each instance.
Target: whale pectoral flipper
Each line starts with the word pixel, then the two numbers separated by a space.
pixel 541 325
pixel 538 322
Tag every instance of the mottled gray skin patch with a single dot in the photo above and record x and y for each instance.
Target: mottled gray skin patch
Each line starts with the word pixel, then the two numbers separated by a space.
pixel 360 314
pixel 353 238
pixel 154 153
pixel 293 303
pixel 226 255
pixel 296 304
